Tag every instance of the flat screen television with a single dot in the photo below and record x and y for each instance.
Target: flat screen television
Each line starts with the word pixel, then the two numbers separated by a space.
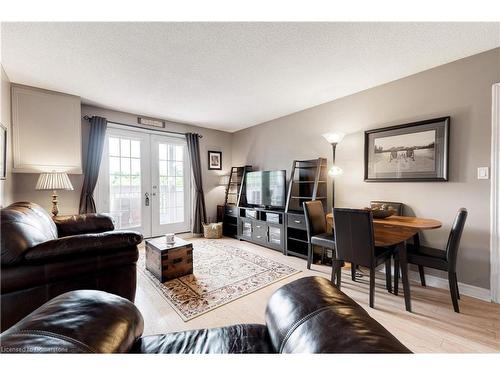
pixel 266 188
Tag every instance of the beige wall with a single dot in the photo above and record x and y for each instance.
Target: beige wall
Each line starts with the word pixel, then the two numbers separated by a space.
pixel 461 89
pixel 6 186
pixel 69 200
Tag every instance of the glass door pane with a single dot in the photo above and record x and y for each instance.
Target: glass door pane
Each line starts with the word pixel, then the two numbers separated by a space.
pixel 123 180
pixel 171 185
pixel 275 235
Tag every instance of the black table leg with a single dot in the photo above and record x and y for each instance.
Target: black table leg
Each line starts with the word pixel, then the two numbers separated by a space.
pixel 403 262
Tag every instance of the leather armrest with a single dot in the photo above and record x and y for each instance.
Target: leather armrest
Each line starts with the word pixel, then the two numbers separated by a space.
pixel 83 321
pixel 297 314
pixel 83 244
pixel 80 224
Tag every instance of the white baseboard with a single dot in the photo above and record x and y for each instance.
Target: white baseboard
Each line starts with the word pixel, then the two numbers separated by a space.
pixel 438 282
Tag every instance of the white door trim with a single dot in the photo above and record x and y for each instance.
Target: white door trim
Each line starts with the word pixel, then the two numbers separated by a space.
pixel 495 195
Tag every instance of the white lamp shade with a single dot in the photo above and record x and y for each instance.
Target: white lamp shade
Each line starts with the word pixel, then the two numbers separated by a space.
pixel 334 137
pixel 53 181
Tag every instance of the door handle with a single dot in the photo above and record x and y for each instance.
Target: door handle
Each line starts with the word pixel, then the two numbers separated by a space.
pixel 146 199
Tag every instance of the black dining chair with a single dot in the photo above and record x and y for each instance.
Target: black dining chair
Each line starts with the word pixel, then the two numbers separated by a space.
pixel 355 243
pixel 398 207
pixel 414 242
pixel 444 260
pixel 316 230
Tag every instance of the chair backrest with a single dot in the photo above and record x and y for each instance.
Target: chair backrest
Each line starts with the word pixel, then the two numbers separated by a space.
pixel 354 236
pixel 24 225
pixel 315 218
pixel 398 206
pixel 454 237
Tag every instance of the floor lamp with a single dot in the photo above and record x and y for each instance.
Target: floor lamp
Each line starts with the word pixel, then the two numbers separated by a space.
pixel 334 139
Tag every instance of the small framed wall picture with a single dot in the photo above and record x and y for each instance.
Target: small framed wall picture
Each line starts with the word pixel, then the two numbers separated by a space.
pixel 215 160
pixel 3 151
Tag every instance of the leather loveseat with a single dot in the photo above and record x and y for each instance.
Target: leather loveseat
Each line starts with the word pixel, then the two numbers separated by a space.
pixel 308 315
pixel 42 258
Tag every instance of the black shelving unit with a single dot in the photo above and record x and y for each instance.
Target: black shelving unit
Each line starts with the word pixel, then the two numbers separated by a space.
pixel 262 226
pixel 308 182
pixel 235 195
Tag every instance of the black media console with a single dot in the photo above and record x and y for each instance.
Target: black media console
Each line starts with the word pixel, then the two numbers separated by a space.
pixel 261 226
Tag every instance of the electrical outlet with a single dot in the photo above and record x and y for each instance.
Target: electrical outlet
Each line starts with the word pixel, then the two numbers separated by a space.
pixel 483 173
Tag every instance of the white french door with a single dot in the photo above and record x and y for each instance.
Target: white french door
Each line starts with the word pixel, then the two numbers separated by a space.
pixel 124 178
pixel 144 182
pixel 170 174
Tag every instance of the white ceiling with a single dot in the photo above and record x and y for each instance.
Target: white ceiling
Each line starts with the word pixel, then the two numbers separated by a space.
pixel 228 76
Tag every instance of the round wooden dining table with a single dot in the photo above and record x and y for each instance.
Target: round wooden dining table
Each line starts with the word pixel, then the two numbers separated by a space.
pixel 395 231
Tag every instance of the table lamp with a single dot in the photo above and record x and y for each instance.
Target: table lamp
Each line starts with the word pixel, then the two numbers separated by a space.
pixel 334 139
pixel 54 181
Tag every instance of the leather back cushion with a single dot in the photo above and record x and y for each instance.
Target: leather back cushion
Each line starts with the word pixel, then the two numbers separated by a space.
pixel 24 225
pixel 310 315
pixel 315 217
pixel 354 235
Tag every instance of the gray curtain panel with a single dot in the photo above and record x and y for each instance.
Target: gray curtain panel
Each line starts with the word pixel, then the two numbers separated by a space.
pixel 97 135
pixel 200 211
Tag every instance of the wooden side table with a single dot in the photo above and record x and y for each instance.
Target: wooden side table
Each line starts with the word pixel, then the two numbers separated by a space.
pixel 169 261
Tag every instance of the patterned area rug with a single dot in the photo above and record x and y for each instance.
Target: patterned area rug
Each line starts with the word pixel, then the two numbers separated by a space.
pixel 221 274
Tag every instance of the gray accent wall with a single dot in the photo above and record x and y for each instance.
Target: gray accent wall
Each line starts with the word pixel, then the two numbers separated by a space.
pixel 461 89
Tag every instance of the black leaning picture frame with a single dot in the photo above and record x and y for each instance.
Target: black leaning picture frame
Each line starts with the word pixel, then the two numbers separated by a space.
pixel 407 152
pixel 212 166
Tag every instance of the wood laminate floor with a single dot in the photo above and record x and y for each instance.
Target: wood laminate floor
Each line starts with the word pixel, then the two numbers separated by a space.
pixel 433 326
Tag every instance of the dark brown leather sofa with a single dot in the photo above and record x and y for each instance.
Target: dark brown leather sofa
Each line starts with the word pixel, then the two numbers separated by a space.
pixel 308 315
pixel 42 258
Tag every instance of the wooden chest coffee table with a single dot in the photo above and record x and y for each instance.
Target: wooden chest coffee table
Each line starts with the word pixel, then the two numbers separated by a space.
pixel 168 261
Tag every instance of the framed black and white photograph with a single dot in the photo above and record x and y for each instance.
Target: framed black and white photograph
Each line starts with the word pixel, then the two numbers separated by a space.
pixel 416 151
pixel 3 151
pixel 214 160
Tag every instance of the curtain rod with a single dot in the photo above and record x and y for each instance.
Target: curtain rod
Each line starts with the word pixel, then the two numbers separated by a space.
pixel 140 127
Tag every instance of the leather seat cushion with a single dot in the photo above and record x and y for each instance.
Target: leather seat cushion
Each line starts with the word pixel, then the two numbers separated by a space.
pixel 35 273
pixel 427 252
pixel 428 256
pixel 241 338
pixel 324 240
